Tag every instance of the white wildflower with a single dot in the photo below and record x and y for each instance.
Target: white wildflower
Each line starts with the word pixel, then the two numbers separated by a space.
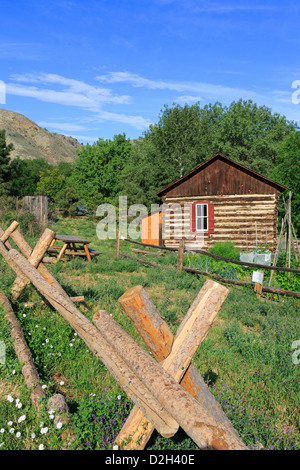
pixel 22 418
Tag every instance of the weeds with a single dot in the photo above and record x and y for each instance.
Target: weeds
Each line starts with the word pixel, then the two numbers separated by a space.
pixel 246 357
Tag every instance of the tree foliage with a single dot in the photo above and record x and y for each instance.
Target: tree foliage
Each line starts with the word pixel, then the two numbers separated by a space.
pixel 182 138
pixel 5 171
pixel 287 172
pixel 97 172
pixel 25 175
pixel 185 136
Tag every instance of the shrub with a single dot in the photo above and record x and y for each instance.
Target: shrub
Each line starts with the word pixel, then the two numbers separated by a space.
pixel 225 249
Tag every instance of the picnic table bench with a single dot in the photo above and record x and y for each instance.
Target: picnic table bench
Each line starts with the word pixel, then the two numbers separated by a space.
pixel 73 246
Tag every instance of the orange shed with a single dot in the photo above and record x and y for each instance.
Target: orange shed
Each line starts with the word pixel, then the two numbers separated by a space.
pixel 152 228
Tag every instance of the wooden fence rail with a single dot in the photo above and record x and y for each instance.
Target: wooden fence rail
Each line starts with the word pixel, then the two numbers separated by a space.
pixel 215 276
pixel 221 258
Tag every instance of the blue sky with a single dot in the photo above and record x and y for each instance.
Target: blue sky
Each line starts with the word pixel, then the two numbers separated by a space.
pixel 93 69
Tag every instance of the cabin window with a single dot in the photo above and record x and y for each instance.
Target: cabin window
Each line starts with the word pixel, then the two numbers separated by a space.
pixel 202 217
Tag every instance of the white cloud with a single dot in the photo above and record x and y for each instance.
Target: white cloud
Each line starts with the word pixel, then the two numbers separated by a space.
pixel 71 93
pixel 206 90
pixel 135 121
pixel 62 126
pixel 188 99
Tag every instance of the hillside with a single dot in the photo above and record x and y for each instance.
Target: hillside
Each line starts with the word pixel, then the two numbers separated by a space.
pixel 31 141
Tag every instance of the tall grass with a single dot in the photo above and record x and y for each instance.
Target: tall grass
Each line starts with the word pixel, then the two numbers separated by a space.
pixel 246 358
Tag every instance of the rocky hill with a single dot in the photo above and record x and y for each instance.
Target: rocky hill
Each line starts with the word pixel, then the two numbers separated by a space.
pixel 31 141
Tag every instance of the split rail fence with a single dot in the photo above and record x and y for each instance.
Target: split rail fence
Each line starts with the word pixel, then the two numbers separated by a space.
pixel 180 267
pixel 166 388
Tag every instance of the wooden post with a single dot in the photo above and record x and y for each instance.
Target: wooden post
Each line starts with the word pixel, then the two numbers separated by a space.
pixel 147 321
pixel 194 419
pixel 95 340
pixel 118 245
pixel 35 259
pixel 159 339
pixel 180 256
pixel 257 277
pixel 4 236
pixel 289 230
pixel 27 250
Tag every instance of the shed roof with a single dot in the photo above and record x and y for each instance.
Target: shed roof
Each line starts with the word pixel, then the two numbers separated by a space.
pixel 234 163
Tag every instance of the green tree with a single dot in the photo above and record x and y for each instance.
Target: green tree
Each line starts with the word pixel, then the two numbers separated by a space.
pixel 287 172
pixel 5 171
pixel 166 151
pixel 251 134
pixel 25 175
pixel 51 183
pixel 97 172
pixel 185 136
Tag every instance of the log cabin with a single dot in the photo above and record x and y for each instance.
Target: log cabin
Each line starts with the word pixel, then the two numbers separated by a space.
pixel 219 200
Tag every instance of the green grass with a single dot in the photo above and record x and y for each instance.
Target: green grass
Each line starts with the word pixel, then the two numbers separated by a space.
pixel 246 359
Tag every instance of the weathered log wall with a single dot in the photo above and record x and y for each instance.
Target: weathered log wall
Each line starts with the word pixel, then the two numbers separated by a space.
pixel 247 220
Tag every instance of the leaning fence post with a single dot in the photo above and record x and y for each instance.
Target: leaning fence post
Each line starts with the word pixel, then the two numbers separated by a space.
pixel 180 256
pixel 118 244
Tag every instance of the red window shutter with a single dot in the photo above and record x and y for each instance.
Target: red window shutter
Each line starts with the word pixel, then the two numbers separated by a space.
pixel 211 218
pixel 193 217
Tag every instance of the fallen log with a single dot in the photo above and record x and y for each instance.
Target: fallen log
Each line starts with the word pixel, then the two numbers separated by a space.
pixel 127 377
pixel 135 250
pixel 195 420
pixel 31 376
pixel 154 330
pixel 78 299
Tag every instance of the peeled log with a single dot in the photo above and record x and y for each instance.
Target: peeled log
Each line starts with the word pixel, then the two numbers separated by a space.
pixel 27 251
pixel 29 371
pixel 145 317
pixel 34 259
pixel 4 236
pixel 197 422
pixel 154 330
pixel 127 377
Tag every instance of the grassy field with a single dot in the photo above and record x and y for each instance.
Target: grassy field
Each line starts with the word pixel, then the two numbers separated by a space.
pixel 246 359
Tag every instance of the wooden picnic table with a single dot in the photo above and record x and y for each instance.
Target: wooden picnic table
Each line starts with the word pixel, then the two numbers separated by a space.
pixel 72 245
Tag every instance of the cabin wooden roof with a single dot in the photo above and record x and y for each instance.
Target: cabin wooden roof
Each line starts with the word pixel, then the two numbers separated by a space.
pixel 220 175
